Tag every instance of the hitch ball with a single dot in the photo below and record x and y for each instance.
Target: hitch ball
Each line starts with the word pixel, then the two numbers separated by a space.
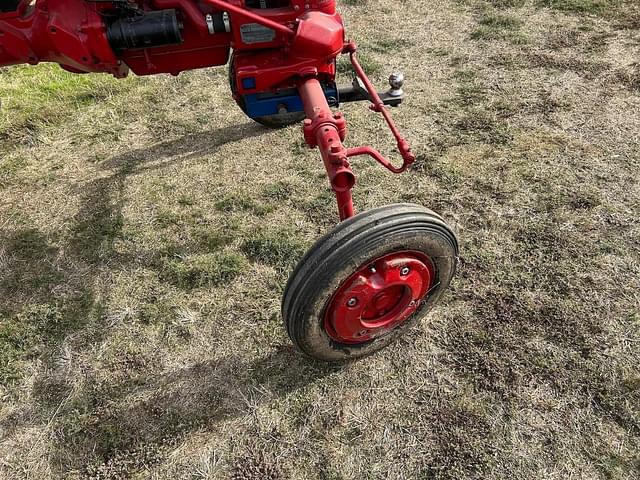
pixel 396 81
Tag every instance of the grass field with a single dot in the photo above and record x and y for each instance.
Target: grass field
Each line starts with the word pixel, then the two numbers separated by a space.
pixel 147 229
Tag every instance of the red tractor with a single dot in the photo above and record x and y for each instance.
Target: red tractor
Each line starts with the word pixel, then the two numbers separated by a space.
pixel 364 283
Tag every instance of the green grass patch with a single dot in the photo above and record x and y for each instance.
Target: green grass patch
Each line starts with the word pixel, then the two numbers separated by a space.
pixel 484 126
pixel 370 65
pixel 278 191
pixel 497 26
pixel 236 202
pixel 31 332
pixel 625 14
pixel 507 3
pixel 35 97
pixel 18 339
pixel 501 21
pixel 276 247
pixel 389 45
pixel 203 270
pixel 212 240
pixel 10 166
pixel 594 7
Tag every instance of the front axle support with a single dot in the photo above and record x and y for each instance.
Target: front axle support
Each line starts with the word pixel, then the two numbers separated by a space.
pixel 327 130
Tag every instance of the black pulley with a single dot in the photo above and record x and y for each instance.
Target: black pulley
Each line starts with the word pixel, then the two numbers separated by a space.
pixel 150 29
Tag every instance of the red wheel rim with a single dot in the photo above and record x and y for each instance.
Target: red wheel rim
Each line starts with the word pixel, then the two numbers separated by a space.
pixel 378 297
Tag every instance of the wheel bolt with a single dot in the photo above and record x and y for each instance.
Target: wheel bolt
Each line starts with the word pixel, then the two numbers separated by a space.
pixel 372 269
pixel 405 271
pixel 353 301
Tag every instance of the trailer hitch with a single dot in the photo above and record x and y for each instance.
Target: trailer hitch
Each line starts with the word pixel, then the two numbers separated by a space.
pixel 357 92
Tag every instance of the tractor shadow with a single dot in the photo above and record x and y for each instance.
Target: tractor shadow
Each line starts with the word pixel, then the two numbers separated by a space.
pixel 192 146
pixel 52 286
pixel 130 420
pixel 39 268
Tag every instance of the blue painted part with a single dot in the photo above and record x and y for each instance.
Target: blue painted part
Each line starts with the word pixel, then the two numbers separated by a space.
pixel 266 104
pixel 249 83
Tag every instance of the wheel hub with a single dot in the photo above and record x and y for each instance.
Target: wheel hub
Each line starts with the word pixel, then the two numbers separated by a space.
pixel 378 297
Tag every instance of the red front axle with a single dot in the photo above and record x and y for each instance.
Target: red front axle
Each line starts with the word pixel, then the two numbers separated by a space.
pixel 327 131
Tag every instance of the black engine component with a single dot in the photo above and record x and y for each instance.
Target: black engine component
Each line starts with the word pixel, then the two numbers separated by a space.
pixel 144 30
pixel 9 6
pixel 263 4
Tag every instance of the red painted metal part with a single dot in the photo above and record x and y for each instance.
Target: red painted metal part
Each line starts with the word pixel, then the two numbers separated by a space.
pixel 378 106
pixel 319 39
pixel 199 48
pixel 223 5
pixel 327 131
pixel 73 33
pixel 379 297
pixel 68 32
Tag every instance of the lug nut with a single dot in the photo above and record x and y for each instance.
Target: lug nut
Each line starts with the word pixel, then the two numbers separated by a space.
pixel 405 271
pixel 353 301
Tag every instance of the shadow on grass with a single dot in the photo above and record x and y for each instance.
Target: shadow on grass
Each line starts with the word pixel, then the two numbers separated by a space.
pixel 50 292
pixel 185 148
pixel 119 425
pixel 47 289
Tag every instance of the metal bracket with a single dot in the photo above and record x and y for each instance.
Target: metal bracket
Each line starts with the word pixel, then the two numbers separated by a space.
pixel 357 92
pixel 377 105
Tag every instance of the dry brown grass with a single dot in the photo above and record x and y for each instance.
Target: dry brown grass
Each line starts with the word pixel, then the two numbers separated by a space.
pixel 147 230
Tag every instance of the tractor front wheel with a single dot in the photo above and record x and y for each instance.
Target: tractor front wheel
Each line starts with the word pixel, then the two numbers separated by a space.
pixel 362 285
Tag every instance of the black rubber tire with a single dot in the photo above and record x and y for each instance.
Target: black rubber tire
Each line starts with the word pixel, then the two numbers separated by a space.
pixel 272 121
pixel 279 121
pixel 350 246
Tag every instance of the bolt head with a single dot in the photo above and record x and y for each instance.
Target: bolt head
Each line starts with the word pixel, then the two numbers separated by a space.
pixel 353 301
pixel 404 271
